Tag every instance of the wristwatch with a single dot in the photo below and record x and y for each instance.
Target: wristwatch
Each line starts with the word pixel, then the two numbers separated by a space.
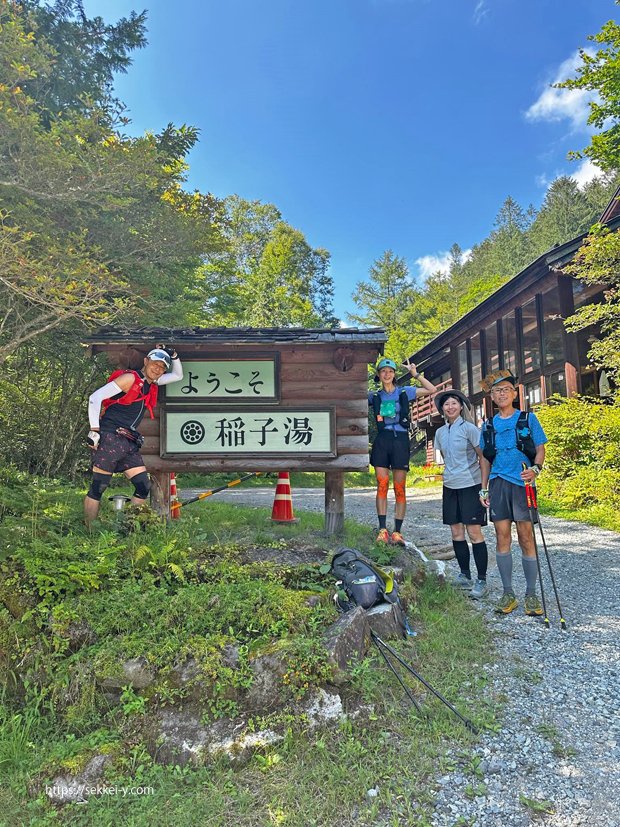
pixel 536 468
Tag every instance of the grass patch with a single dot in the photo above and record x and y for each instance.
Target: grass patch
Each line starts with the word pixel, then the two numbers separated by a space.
pixel 602 515
pixel 311 775
pixel 190 589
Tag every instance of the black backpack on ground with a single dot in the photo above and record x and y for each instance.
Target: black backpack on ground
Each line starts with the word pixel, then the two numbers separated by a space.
pixel 360 581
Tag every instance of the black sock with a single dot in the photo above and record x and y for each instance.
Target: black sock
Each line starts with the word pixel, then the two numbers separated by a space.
pixel 461 549
pixel 398 524
pixel 481 558
pixel 382 518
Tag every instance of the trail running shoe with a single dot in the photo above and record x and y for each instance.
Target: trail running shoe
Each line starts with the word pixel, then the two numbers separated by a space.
pixel 479 590
pixel 398 539
pixel 383 536
pixel 532 605
pixel 507 603
pixel 463 582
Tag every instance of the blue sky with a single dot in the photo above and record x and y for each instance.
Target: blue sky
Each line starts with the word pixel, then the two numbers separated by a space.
pixel 370 124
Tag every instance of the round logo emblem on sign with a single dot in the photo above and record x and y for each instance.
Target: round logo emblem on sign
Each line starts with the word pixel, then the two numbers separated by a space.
pixel 192 432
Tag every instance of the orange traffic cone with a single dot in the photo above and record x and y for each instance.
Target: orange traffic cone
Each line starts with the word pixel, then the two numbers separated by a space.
pixel 282 511
pixel 175 505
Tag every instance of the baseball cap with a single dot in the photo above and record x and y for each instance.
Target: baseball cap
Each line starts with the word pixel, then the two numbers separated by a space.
pixel 385 363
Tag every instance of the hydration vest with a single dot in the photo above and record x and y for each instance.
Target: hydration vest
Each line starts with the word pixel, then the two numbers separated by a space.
pixel 404 418
pixel 523 433
pixel 134 394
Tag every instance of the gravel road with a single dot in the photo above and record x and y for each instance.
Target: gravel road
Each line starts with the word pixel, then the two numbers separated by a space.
pixel 559 745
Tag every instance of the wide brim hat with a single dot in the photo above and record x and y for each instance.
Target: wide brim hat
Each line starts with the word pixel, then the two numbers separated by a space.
pixel 466 413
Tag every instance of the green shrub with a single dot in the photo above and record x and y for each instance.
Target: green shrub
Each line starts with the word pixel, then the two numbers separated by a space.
pixel 582 465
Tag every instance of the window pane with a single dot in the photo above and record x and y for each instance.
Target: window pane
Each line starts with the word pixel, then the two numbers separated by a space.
pixel 533 395
pixel 531 347
pixel 462 354
pixel 589 384
pixel 553 328
pixel 586 293
pixel 510 343
pixel 556 383
pixel 492 348
pixel 476 363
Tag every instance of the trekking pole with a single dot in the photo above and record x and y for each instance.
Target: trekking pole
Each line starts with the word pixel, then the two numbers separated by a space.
pixel 469 724
pixel 392 669
pixel 216 490
pixel 548 558
pixel 531 505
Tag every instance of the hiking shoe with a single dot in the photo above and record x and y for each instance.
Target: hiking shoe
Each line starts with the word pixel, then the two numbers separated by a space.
pixel 532 605
pixel 507 603
pixel 397 539
pixel 463 582
pixel 383 536
pixel 479 590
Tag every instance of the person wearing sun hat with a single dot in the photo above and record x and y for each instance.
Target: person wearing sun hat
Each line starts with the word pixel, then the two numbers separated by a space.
pixel 462 509
pixel 510 441
pixel 390 449
pixel 113 437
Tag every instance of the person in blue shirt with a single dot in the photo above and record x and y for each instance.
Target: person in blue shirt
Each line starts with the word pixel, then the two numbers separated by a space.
pixel 390 449
pixel 503 488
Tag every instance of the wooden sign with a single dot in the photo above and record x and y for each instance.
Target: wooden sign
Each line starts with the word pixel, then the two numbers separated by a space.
pixel 247 430
pixel 238 380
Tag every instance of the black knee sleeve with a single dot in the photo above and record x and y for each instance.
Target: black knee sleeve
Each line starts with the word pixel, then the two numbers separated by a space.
pixel 98 485
pixel 142 485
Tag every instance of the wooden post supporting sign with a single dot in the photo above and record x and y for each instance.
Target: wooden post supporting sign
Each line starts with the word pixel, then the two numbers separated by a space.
pixel 334 502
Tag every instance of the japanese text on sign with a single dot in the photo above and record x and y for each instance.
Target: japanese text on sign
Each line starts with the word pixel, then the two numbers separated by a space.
pixel 225 379
pixel 291 432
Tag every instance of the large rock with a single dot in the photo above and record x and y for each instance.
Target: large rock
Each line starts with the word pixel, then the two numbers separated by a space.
pixel 265 693
pixel 79 787
pixel 323 707
pixel 386 620
pixel 135 672
pixel 79 634
pixel 181 738
pixel 347 641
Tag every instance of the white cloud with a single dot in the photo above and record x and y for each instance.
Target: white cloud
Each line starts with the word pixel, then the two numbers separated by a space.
pixel 436 263
pixel 586 172
pixel 481 11
pixel 583 174
pixel 563 104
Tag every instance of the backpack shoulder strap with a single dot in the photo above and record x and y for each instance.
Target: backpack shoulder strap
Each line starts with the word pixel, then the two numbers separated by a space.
pixel 524 420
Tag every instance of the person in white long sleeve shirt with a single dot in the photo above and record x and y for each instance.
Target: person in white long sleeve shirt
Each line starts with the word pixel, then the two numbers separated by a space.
pixel 113 436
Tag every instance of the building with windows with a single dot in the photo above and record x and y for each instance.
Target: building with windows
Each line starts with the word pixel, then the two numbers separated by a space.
pixel 520 327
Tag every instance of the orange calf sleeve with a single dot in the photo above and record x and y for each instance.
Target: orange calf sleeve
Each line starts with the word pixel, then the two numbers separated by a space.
pixel 399 492
pixel 383 486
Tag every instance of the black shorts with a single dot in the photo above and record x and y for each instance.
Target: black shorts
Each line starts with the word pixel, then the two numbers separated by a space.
pixel 508 501
pixel 116 453
pixel 462 505
pixel 390 450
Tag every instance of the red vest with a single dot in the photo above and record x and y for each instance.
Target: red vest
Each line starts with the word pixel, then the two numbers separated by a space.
pixel 134 394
